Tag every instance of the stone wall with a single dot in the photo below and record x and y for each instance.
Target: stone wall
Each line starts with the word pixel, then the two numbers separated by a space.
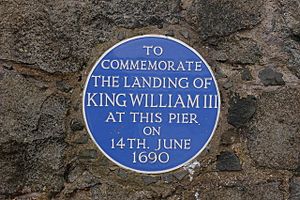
pixel 48 47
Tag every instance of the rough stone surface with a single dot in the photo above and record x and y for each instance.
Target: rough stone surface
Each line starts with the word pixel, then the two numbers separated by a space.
pixel 70 30
pixel 240 50
pixel 295 188
pixel 292 16
pixel 32 140
pixel 227 85
pixel 242 191
pixel 222 18
pixel 63 86
pixel 150 179
pixel 292 22
pixel 84 180
pixel 19 118
pixel 228 161
pixel 266 191
pixel 241 110
pixel 46 51
pixel 263 191
pixel 294 64
pixel 76 125
pixel 274 135
pixel 229 137
pixel 270 77
pixel 246 74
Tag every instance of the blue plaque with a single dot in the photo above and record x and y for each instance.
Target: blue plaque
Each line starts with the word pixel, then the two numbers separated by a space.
pixel 151 104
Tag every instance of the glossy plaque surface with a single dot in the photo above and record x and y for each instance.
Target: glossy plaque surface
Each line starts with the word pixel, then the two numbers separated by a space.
pixel 151 104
